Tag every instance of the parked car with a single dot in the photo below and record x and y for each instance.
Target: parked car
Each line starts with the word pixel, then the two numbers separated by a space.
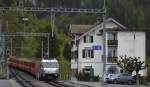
pixel 121 78
pixel 111 77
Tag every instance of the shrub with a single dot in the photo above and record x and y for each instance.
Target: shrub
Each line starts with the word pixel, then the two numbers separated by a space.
pixel 81 76
pixel 142 80
pixel 95 78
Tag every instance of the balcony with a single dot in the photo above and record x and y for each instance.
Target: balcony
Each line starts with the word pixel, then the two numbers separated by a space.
pixel 112 59
pixel 112 42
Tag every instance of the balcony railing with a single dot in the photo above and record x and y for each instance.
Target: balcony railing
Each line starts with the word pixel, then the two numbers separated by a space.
pixel 112 59
pixel 113 42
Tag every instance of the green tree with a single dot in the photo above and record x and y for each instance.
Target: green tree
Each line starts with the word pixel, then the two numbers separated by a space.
pixel 67 52
pixel 54 47
pixel 126 64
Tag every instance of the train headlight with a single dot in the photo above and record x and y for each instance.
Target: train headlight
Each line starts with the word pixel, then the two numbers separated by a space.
pixel 43 74
pixel 56 74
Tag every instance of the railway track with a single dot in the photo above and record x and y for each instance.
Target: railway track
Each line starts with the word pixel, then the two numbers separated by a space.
pixel 59 84
pixel 24 80
pixel 20 79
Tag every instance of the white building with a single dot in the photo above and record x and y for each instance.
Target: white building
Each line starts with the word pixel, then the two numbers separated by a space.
pixel 87 46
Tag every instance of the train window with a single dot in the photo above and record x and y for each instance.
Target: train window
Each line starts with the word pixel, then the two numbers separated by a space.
pixel 50 64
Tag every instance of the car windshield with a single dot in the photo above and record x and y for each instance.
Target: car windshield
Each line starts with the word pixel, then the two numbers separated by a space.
pixel 50 64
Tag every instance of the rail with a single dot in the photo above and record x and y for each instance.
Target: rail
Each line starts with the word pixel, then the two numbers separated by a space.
pixel 59 84
pixel 21 80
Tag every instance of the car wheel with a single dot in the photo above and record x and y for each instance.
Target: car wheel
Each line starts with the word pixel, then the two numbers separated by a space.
pixel 130 82
pixel 115 81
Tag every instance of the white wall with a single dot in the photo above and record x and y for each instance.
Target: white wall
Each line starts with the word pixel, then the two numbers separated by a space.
pixel 73 64
pixel 96 62
pixel 132 44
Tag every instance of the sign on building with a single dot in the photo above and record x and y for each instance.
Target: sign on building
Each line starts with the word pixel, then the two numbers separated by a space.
pixel 97 47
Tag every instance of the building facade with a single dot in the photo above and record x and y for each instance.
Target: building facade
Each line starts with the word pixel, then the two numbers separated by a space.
pixel 87 47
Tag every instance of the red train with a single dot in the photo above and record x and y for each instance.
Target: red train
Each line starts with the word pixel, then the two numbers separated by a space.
pixel 31 67
pixel 47 69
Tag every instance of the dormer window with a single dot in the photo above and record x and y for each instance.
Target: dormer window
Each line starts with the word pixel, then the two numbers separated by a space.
pixel 88 39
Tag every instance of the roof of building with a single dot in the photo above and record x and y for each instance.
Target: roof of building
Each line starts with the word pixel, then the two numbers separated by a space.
pixel 130 29
pixel 79 29
pixel 100 26
pixel 91 28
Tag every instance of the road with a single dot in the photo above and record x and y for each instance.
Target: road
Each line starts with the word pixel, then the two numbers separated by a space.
pixel 98 84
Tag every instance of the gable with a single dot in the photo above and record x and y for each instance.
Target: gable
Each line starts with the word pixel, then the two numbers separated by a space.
pixel 110 24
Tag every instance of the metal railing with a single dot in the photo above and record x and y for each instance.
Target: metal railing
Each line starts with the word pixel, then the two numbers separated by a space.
pixel 112 59
pixel 112 42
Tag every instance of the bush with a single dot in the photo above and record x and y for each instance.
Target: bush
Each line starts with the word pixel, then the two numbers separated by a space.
pixel 86 77
pixel 95 78
pixel 83 76
pixel 148 78
pixel 142 80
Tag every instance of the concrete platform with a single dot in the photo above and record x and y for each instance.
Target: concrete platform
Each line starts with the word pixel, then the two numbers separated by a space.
pixel 9 83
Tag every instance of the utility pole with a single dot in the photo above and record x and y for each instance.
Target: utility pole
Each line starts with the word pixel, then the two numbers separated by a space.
pixel 104 42
pixel 42 50
pixel 52 23
pixel 48 43
pixel 11 47
pixel 7 68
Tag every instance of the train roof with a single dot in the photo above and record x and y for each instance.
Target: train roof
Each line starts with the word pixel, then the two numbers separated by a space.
pixel 35 59
pixel 25 59
pixel 47 60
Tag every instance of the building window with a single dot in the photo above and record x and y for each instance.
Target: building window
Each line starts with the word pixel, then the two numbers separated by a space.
pixel 88 53
pixel 84 39
pixel 112 52
pixel 112 36
pixel 91 37
pixel 88 39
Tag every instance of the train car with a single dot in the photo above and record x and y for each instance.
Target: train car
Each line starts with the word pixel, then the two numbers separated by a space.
pixel 44 69
pixel 49 69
